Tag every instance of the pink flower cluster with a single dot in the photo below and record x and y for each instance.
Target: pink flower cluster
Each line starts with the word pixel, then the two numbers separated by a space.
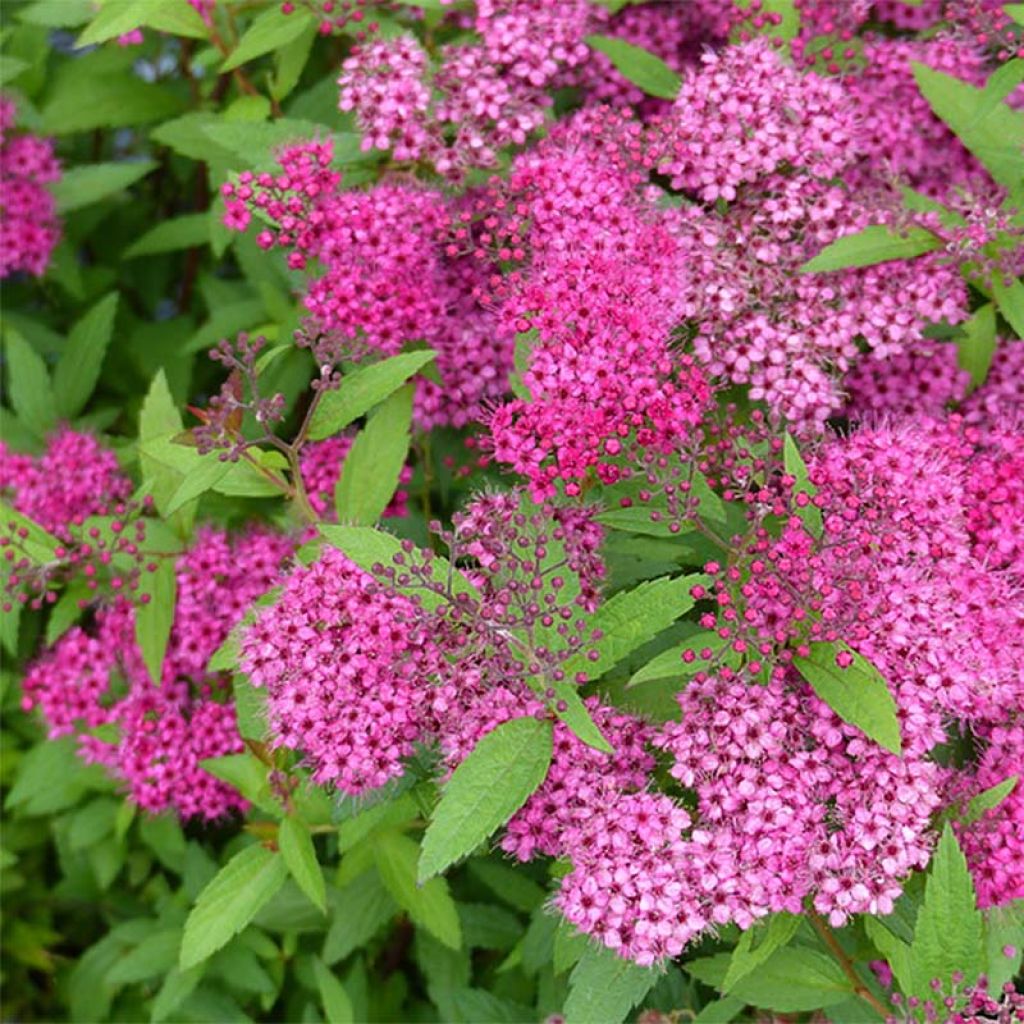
pixel 387 281
pixel 153 735
pixel 29 228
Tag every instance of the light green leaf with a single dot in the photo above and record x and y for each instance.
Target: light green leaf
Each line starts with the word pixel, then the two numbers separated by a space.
pixel 670 665
pixel 631 618
pixel 992 131
pixel 875 244
pixel 153 620
pixel 89 183
pixel 28 384
pixel 977 346
pixel 296 846
pixel 336 1003
pixel 988 799
pixel 495 780
pixel 1004 929
pixel 373 465
pixel 757 944
pixel 948 935
pixel 177 987
pixel 605 987
pixel 153 957
pixel 57 13
pixel 569 706
pixel 207 473
pixel 429 905
pixel 66 612
pixel 37 544
pixel 230 901
pixel 893 949
pixel 857 694
pixel 793 461
pixel 640 66
pixel 79 368
pixel 118 17
pixel 1010 300
pixel 269 31
pixel 184 232
pixel 250 709
pixel 81 103
pixel 362 390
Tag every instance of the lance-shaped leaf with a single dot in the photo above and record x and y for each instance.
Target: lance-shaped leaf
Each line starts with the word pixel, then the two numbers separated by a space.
pixel 875 244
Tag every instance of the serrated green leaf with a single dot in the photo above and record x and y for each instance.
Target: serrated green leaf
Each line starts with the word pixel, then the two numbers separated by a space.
pixel 296 846
pixel 875 244
pixel 605 987
pixel 372 468
pixel 988 799
pixel 670 664
pixel 360 911
pixel 269 31
pixel 38 544
pixel 893 949
pixel 207 473
pixel 631 618
pixel 184 232
pixel 757 944
pixel 153 620
pixel 230 901
pixel 793 461
pixel 977 346
pixel 429 905
pixel 89 183
pixel 948 935
pixel 336 1003
pixel 78 371
pixel 640 66
pixel 250 709
pixel 500 774
pixel 857 694
pixel 362 390
pixel 29 387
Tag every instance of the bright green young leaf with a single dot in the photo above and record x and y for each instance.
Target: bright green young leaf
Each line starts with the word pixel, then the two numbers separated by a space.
pixel 89 183
pixel 336 1003
pixel 988 799
pixel 569 707
pixel 373 465
pixel 118 17
pixel 184 232
pixel 78 371
pixel 38 544
pixel 362 390
pixel 992 131
pixel 490 785
pixel 28 384
pixel 640 66
pixel 246 773
pixel 948 936
pixel 977 346
pixel 208 472
pixel 230 901
pixel 250 709
pixel 296 846
pixel 795 466
pixel 154 618
pixel 1010 300
pixel 670 664
pixel 631 618
pixel 893 949
pixel 153 957
pixel 605 987
pixel 757 944
pixel 177 986
pixel 269 31
pixel 66 612
pixel 875 244
pixel 857 694
pixel 429 905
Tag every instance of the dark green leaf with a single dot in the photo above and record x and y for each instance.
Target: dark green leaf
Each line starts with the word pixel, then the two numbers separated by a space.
pixel 153 619
pixel 605 987
pixel 76 374
pixel 296 846
pixel 89 183
pixel 29 386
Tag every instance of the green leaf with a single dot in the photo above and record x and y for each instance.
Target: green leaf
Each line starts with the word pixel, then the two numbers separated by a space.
pixel 1004 927
pixel 988 799
pixel 37 543
pixel 992 131
pixel 605 987
pixel 509 884
pixel 631 618
pixel 374 463
pixel 793 461
pixel 296 846
pixel 208 472
pixel 89 183
pixel 177 987
pixel 893 949
pixel 670 665
pixel 185 232
pixel 230 901
pixel 118 17
pixel 50 778
pixel 28 385
pixel 250 709
pixel 977 346
pixel 757 944
pixel 290 60
pixel 429 905
pixel 948 935
pixel 66 612
pixel 82 103
pixel 1010 300
pixel 361 910
pixel 794 979
pixel 875 244
pixel 857 694
pixel 640 66
pixel 495 780
pixel 11 67
pixel 153 957
pixel 153 620
pixel 57 13
pixel 336 1003
pixel 569 707
pixel 270 31
pixel 76 374
pixel 363 389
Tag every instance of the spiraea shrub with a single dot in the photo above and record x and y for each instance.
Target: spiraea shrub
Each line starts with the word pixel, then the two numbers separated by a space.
pixel 512 510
